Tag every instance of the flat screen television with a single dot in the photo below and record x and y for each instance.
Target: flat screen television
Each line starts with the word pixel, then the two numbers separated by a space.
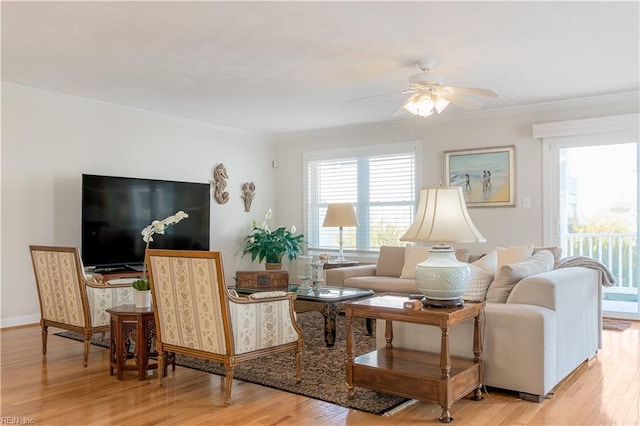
pixel 116 209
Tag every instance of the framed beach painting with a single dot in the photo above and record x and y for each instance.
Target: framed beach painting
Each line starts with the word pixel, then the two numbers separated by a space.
pixel 486 176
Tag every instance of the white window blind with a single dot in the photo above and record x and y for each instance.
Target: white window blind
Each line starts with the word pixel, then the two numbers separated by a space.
pixel 381 188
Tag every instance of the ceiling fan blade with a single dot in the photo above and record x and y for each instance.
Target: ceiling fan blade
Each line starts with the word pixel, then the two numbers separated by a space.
pixel 381 95
pixel 471 91
pixel 401 110
pixel 461 101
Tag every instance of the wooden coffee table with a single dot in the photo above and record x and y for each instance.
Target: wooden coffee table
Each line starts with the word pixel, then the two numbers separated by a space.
pixel 415 374
pixel 326 300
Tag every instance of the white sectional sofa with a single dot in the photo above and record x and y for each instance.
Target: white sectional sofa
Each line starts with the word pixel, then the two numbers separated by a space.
pixel 545 326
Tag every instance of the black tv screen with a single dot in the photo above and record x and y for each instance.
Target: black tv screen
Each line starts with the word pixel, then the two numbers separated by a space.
pixel 116 209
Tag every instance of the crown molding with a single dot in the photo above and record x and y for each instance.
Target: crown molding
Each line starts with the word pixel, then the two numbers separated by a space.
pixel 146 113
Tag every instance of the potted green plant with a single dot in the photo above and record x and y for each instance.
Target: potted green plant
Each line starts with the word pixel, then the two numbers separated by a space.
pixel 262 243
pixel 143 289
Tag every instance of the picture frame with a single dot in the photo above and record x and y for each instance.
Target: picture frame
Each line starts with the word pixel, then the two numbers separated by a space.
pixel 486 175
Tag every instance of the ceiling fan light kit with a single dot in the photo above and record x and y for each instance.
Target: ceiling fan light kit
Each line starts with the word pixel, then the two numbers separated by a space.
pixel 429 93
pixel 422 104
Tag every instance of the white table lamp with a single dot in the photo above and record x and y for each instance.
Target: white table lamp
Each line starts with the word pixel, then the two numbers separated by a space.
pixel 442 218
pixel 340 215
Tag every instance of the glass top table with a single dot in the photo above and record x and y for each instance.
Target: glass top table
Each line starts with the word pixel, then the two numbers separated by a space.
pixel 326 300
pixel 334 294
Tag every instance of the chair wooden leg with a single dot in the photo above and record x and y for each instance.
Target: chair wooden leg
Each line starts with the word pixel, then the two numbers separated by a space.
pixel 228 381
pixel 299 361
pixel 161 367
pixel 45 329
pixel 87 346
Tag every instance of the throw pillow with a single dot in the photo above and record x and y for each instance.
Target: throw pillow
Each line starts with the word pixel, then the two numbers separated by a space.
pixel 556 251
pixel 480 281
pixel 412 256
pixel 509 275
pixel 463 255
pixel 488 262
pixel 513 254
pixel 390 261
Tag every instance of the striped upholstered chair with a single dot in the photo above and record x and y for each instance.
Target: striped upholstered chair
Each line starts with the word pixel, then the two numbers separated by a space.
pixel 197 315
pixel 70 300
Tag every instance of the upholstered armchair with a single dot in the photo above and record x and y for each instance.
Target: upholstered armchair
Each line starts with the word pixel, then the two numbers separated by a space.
pixel 68 299
pixel 197 315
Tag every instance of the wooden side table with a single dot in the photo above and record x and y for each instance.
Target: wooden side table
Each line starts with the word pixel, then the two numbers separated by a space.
pixel 415 374
pixel 132 341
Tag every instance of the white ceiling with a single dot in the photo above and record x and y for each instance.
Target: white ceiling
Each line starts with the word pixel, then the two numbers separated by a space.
pixel 279 67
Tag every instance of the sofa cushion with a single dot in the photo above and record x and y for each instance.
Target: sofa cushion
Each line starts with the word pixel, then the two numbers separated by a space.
pixel 390 261
pixel 478 285
pixel 412 256
pixel 513 254
pixel 509 275
pixel 417 254
pixel 383 284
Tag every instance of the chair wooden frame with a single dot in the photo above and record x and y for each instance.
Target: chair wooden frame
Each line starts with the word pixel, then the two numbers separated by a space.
pixel 229 358
pixel 83 324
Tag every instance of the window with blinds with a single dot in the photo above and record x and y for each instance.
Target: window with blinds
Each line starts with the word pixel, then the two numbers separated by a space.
pixel 381 188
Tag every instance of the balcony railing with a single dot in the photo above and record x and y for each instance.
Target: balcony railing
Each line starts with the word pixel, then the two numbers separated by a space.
pixel 618 251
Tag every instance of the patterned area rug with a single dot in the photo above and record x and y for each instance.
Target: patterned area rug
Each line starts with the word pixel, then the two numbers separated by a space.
pixel 615 324
pixel 323 369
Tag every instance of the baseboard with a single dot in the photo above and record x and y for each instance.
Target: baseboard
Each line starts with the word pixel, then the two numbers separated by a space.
pixel 18 321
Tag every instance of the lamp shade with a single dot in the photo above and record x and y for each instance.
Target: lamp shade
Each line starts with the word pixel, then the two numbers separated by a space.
pixel 442 217
pixel 339 215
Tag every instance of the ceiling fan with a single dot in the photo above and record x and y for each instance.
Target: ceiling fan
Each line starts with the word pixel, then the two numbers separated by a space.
pixel 428 93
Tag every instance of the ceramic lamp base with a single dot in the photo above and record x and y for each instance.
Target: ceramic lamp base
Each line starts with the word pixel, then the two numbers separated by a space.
pixel 442 278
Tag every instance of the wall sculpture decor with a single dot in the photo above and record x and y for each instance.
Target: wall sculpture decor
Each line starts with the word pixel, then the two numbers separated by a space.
pixel 248 192
pixel 220 184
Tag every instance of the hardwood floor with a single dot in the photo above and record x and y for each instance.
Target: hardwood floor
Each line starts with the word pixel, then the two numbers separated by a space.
pixel 603 391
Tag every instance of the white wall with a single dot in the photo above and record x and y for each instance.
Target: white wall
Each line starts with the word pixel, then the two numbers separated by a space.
pixel 502 226
pixel 49 140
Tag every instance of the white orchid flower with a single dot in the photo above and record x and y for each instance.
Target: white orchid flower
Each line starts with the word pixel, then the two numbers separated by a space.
pixel 180 215
pixel 269 214
pixel 147 233
pixel 293 229
pixel 158 227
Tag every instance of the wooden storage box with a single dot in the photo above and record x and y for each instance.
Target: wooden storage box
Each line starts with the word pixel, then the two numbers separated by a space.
pixel 262 279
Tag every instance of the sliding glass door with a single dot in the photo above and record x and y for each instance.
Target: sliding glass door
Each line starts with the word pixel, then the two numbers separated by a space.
pixel 597 201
